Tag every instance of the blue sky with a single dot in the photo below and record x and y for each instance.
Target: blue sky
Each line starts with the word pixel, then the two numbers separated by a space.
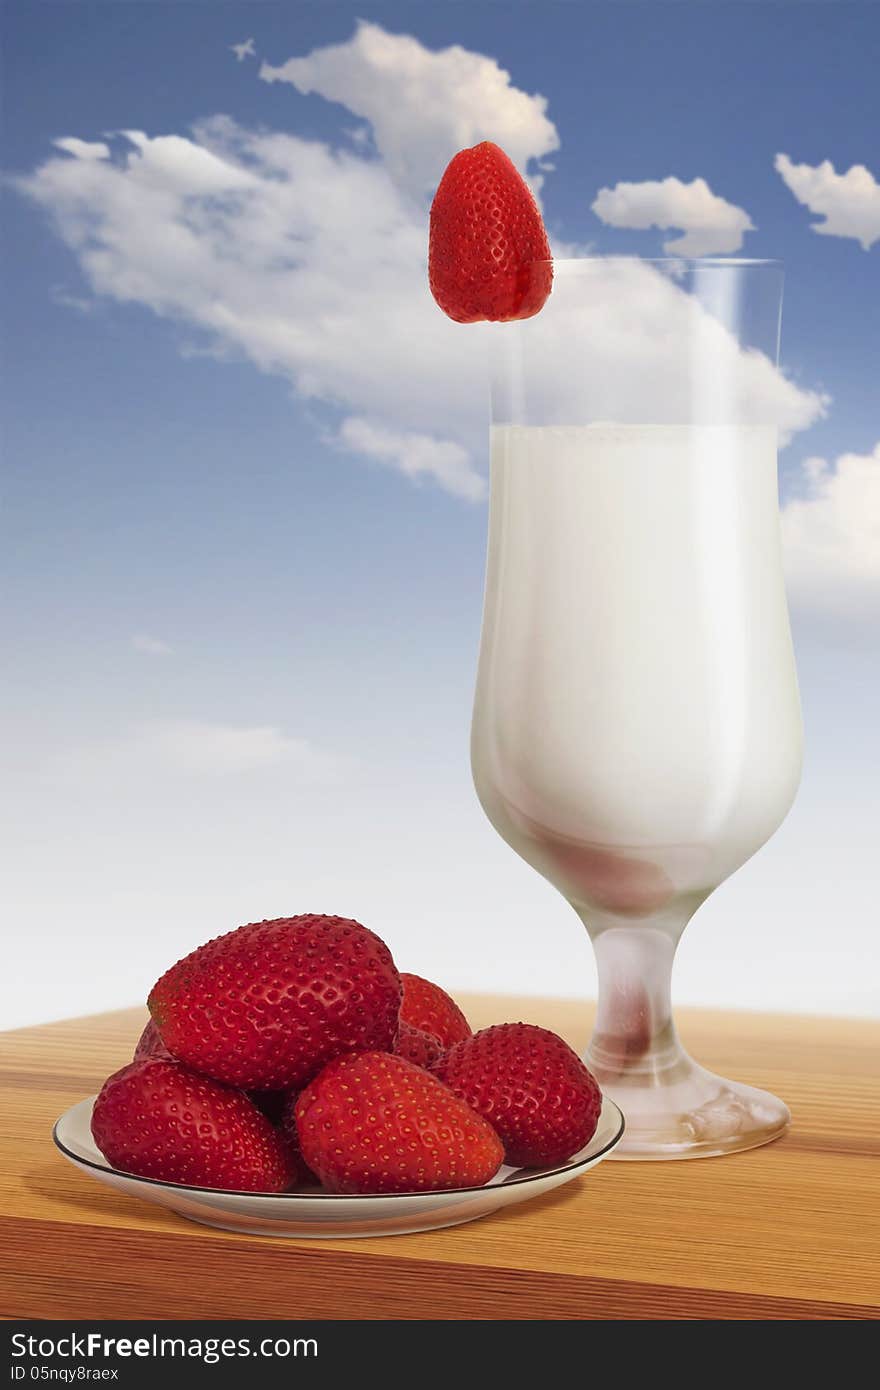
pixel 302 742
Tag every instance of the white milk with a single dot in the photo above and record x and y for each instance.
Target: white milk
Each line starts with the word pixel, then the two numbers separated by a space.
pixel 637 731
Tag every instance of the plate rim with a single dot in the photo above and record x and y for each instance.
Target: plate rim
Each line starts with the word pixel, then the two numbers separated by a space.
pixel 531 1176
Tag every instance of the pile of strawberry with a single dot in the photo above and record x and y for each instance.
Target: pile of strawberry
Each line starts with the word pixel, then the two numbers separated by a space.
pixel 292 1051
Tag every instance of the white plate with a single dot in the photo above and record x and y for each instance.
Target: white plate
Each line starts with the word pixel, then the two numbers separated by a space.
pixel 310 1212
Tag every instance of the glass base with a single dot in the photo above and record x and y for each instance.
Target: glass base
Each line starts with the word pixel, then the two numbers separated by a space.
pixel 673 1107
pixel 689 1112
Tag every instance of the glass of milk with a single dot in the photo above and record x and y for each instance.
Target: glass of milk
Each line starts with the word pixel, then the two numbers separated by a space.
pixel 637 730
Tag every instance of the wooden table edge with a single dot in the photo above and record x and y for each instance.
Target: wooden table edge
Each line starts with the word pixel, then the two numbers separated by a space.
pixel 487 1293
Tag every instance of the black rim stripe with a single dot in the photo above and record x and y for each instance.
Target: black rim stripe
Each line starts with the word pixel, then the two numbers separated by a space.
pixel 319 1195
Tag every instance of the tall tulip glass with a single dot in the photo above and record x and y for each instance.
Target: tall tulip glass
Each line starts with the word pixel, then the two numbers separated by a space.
pixel 637 731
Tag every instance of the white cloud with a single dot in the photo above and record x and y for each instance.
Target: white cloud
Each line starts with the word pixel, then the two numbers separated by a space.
pixel 710 224
pixel 150 646
pixel 172 166
pixel 82 149
pixel 159 748
pixel 849 203
pixel 416 455
pixel 831 537
pixel 194 746
pixel 310 261
pixel 67 300
pixel 648 351
pixel 423 105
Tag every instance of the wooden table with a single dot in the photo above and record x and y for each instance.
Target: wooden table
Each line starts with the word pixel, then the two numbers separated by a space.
pixel 788 1231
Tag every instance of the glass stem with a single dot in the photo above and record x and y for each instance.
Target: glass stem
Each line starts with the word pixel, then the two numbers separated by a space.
pixel 634 1042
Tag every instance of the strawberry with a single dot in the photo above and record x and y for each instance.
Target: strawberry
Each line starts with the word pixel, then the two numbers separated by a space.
pixel 266 1006
pixel 372 1122
pixel 272 1104
pixel 531 1088
pixel 286 1125
pixel 150 1044
pixel 160 1120
pixel 430 1008
pixel 278 1107
pixel 269 1103
pixel 488 255
pixel 630 1011
pixel 417 1046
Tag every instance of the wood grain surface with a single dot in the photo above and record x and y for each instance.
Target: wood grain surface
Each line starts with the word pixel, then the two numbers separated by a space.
pixel 790 1231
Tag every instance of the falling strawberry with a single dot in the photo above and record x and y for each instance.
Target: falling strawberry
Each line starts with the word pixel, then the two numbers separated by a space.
pixel 371 1122
pixel 160 1120
pixel 531 1087
pixel 430 1008
pixel 266 1006
pixel 488 255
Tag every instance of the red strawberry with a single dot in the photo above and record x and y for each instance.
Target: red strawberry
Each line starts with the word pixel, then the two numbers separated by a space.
pixel 626 1029
pixel 417 1046
pixel 531 1088
pixel 270 1103
pixel 430 1008
pixel 278 1108
pixel 376 1123
pixel 266 1006
pixel 161 1120
pixel 488 255
pixel 150 1044
pixel 290 1136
